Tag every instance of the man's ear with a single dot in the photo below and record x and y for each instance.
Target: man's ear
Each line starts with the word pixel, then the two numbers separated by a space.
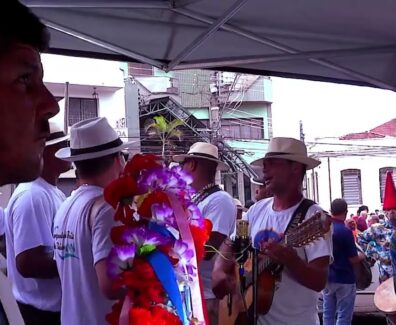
pixel 194 165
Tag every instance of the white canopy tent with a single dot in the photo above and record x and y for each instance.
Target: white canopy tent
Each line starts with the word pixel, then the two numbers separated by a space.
pixel 347 41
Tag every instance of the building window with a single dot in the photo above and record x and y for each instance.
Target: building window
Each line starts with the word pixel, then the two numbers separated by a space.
pixel 81 109
pixel 382 179
pixel 238 128
pixel 351 186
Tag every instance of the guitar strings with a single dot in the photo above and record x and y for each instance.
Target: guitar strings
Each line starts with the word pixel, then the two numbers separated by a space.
pixel 215 250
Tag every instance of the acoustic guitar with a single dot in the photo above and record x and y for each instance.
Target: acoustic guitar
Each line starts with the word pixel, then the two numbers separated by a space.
pixel 269 272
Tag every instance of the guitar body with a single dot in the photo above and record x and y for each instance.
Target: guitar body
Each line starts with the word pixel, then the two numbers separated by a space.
pixel 268 274
pixel 265 295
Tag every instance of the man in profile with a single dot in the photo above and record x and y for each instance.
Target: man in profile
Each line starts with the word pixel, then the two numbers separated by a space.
pixel 25 102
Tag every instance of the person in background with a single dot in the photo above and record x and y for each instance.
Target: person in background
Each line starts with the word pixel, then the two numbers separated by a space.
pixel 239 207
pixel 361 221
pixel 374 219
pixel 381 218
pixel 202 162
pixel 83 223
pixel 351 224
pixel 340 292
pixel 375 241
pixel 29 224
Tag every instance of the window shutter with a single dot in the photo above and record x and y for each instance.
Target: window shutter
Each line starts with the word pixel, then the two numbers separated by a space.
pixel 351 186
pixel 382 179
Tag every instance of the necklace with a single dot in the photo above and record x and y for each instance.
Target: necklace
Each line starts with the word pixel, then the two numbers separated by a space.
pixel 203 193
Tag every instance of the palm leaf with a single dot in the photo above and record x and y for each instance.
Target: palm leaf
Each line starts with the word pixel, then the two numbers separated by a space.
pixel 161 123
pixel 176 134
pixel 174 124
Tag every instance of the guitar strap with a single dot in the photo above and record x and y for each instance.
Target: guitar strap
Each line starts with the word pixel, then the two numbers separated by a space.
pixel 299 215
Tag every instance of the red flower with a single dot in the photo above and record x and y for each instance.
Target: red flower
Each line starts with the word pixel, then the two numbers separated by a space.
pixel 116 233
pixel 155 197
pixel 201 236
pixel 141 162
pixel 155 316
pixel 114 316
pixel 121 190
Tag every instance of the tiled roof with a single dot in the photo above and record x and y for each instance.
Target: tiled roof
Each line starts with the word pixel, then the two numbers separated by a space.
pixel 387 129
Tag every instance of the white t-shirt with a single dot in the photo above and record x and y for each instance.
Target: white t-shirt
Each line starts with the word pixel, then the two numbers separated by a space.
pixel 2 221
pixel 77 249
pixel 219 208
pixel 293 303
pixel 29 224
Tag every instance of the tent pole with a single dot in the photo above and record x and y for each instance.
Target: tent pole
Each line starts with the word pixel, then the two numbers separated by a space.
pixel 103 44
pixel 284 48
pixel 235 61
pixel 215 25
pixel 98 4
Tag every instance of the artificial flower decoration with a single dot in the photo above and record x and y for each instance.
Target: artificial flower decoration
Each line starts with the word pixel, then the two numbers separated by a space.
pixel 157 246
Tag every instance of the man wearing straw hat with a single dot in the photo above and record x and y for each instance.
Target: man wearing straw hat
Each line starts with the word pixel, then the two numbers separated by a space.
pixel 29 219
pixel 202 161
pixel 83 223
pixel 304 269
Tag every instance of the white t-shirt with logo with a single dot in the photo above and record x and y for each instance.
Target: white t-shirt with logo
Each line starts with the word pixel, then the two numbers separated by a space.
pixel 220 209
pixel 293 303
pixel 77 249
pixel 29 224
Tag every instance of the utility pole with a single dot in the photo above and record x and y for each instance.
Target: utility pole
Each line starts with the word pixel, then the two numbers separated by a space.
pixel 302 138
pixel 214 115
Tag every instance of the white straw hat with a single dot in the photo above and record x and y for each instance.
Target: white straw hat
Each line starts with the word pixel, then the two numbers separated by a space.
pixel 289 149
pixel 92 138
pixel 203 150
pixel 56 134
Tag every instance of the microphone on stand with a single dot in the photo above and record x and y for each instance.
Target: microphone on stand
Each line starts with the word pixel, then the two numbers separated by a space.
pixel 241 245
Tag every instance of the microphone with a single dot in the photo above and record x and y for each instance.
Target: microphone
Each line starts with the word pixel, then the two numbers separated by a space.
pixel 241 246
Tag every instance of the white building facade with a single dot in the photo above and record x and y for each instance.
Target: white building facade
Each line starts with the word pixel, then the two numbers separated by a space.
pixel 353 170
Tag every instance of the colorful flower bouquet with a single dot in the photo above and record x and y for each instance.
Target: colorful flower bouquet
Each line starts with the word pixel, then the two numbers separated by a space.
pixel 157 245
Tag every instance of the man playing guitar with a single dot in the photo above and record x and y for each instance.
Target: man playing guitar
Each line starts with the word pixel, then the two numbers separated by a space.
pixel 305 269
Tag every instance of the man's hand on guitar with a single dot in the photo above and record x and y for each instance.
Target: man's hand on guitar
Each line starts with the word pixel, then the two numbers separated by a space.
pixel 286 256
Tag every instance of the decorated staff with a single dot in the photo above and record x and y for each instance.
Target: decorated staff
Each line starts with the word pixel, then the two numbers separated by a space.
pixel 157 245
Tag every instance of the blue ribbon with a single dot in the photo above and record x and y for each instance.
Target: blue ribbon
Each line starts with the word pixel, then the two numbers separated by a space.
pixel 160 229
pixel 166 275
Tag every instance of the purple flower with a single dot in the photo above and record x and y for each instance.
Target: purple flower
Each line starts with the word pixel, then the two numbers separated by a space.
pixel 120 259
pixel 184 255
pixel 143 236
pixel 182 174
pixel 163 214
pixel 196 218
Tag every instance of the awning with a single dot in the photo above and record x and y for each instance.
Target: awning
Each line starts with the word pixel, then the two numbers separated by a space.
pixel 347 41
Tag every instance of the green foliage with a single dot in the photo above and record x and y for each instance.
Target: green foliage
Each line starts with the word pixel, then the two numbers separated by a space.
pixel 159 127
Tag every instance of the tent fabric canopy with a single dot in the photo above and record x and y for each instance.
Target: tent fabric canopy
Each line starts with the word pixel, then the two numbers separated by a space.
pixel 346 41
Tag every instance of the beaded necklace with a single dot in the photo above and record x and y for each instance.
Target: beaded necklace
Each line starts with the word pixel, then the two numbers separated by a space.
pixel 203 193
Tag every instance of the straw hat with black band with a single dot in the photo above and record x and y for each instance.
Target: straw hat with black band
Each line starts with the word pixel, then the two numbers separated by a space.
pixel 203 150
pixel 92 138
pixel 288 149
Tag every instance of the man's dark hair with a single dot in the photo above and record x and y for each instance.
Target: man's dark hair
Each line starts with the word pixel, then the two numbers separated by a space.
pixel 19 25
pixel 94 167
pixel 362 208
pixel 338 207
